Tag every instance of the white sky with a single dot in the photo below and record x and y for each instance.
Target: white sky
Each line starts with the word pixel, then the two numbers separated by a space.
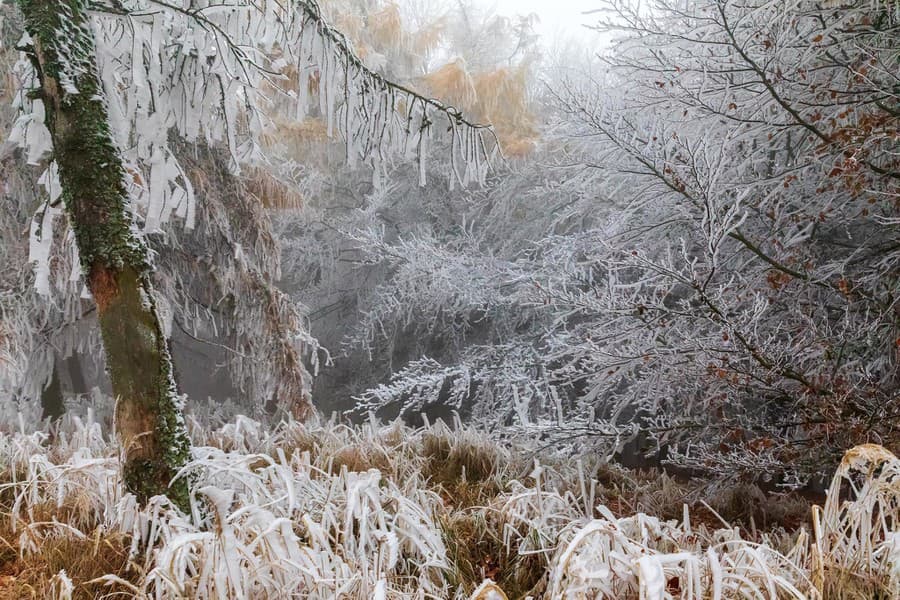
pixel 558 17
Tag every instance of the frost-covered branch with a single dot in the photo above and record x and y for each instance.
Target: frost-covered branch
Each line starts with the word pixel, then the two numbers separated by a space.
pixel 696 269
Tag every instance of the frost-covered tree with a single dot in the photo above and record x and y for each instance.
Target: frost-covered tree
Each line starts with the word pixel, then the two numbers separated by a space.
pixel 754 148
pixel 715 276
pixel 114 86
pixel 323 265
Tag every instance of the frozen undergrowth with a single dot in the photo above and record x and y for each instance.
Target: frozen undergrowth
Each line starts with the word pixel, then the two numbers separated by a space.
pixel 330 511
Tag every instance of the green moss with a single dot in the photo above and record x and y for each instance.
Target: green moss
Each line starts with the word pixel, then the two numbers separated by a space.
pixel 90 168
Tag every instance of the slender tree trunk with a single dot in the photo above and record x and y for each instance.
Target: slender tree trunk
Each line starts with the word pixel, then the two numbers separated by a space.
pixel 52 398
pixel 114 261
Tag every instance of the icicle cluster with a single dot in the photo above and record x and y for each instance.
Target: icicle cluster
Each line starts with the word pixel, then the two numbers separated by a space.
pixel 214 71
pixel 378 119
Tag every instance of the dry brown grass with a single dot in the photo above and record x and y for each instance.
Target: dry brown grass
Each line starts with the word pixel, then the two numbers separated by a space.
pixel 501 518
pixel 655 492
pixel 466 471
pixel 842 584
pixel 29 575
pixel 748 506
pixel 451 458
pixel 83 559
pixel 476 549
pixel 471 475
pixel 360 458
pixel 300 441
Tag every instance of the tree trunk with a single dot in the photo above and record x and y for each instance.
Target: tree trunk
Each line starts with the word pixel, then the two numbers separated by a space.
pixel 114 261
pixel 52 403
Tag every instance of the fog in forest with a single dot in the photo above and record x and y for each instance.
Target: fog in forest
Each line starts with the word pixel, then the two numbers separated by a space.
pixel 458 299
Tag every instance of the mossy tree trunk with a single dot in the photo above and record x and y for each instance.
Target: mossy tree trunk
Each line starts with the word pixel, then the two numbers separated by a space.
pixel 114 261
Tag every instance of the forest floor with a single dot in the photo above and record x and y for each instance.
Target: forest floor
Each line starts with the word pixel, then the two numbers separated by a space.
pixel 386 511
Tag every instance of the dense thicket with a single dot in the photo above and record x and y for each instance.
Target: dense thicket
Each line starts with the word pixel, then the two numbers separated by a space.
pixel 700 255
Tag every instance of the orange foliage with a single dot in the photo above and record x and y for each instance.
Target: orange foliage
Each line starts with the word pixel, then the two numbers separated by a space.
pixel 386 26
pixel 269 191
pixel 428 38
pixel 453 85
pixel 503 102
pixel 498 97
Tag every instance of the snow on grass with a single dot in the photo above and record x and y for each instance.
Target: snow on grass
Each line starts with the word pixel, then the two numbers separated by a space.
pixel 325 510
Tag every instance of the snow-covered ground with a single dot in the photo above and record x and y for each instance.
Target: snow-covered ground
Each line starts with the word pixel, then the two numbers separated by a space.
pixel 384 511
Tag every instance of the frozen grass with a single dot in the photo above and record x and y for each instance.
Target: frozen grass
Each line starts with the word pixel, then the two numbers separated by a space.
pixel 325 510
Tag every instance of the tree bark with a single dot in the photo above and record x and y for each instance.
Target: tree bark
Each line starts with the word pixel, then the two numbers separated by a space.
pixel 114 260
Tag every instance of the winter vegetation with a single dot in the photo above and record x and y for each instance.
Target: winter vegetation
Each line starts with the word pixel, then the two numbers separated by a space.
pixel 324 510
pixel 374 299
